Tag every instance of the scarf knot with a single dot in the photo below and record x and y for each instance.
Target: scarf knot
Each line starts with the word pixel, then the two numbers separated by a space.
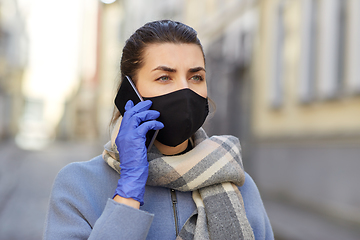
pixel 213 161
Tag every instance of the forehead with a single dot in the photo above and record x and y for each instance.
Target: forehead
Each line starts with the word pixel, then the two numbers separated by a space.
pixel 173 54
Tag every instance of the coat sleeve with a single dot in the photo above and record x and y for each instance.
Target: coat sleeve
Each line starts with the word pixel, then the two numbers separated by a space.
pixel 72 214
pixel 134 223
pixel 255 210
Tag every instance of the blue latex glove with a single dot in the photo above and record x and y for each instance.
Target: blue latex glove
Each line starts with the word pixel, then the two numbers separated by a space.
pixel 130 142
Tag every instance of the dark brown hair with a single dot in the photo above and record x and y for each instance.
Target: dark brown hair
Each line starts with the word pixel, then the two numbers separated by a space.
pixel 164 31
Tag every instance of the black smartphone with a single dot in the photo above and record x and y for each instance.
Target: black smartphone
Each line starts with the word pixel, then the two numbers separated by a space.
pixel 128 91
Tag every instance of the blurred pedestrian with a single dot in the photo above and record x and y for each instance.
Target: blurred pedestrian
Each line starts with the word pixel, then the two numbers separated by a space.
pixel 184 185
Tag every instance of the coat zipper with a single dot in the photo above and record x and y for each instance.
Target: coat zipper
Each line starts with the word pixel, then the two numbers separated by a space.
pixel 174 202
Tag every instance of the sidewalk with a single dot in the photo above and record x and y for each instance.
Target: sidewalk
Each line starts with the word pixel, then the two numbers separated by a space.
pixel 290 222
pixel 26 179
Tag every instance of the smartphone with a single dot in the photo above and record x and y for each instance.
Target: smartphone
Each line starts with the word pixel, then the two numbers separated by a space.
pixel 128 91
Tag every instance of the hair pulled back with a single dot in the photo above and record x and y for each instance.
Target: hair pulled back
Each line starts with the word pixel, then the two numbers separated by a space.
pixel 164 31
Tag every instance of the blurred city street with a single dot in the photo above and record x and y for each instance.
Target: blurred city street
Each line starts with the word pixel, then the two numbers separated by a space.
pixel 26 178
pixel 284 76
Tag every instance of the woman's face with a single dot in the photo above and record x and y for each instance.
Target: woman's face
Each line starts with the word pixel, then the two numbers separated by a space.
pixel 169 67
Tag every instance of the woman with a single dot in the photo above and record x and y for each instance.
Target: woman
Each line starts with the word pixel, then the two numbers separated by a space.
pixel 187 186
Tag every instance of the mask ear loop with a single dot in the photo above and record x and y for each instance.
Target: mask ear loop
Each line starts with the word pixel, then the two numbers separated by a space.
pixel 212 109
pixel 192 141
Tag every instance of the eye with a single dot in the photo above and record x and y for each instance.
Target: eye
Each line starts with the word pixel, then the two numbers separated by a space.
pixel 197 78
pixel 163 78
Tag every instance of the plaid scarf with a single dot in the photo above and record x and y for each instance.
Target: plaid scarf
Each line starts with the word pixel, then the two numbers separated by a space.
pixel 212 170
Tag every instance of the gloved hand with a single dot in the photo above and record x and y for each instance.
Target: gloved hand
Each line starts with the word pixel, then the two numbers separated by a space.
pixel 130 142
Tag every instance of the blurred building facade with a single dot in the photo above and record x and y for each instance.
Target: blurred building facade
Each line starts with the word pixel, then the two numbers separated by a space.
pixel 306 106
pixel 13 43
pixel 48 70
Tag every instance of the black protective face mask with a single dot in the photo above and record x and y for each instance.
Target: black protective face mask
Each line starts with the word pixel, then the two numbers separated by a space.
pixel 182 112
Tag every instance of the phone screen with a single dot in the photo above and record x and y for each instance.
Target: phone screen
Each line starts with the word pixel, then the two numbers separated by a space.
pixel 128 91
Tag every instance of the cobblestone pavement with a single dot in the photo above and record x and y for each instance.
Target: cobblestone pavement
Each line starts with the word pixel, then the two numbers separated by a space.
pixel 26 179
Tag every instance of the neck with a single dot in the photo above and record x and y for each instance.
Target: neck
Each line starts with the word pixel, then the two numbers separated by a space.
pixel 167 150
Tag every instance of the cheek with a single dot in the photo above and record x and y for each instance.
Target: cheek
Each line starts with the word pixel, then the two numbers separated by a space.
pixel 143 87
pixel 150 89
pixel 201 90
pixel 204 93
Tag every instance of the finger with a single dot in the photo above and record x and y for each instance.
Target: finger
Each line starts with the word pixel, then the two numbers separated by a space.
pixel 150 125
pixel 144 116
pixel 141 106
pixel 129 104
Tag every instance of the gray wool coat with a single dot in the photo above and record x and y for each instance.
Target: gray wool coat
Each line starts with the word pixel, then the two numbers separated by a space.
pixel 81 207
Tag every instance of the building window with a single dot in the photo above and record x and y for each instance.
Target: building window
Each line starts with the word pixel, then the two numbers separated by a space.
pixel 277 58
pixel 331 48
pixel 308 52
pixel 353 81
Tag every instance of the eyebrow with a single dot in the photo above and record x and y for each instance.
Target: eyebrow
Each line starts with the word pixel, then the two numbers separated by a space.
pixel 168 69
pixel 164 68
pixel 196 69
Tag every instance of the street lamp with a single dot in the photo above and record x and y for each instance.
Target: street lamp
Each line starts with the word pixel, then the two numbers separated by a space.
pixel 108 1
